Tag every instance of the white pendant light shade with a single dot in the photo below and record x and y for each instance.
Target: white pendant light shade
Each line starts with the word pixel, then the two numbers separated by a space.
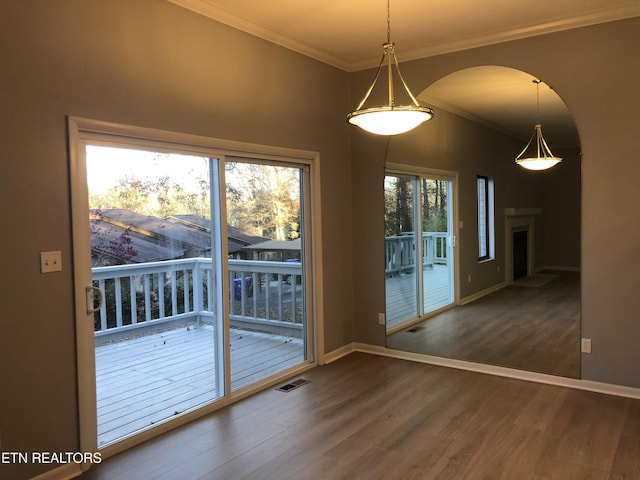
pixel 538 163
pixel 537 154
pixel 389 119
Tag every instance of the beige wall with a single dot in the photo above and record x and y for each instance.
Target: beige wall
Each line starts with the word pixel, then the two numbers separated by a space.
pixel 452 143
pixel 152 64
pixel 596 72
pixel 455 144
pixel 562 228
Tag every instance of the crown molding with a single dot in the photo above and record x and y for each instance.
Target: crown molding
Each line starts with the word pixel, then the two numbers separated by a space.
pixel 585 20
pixel 208 9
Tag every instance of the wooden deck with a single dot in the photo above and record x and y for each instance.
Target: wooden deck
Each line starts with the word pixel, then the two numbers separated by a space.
pixel 146 380
pixel 401 294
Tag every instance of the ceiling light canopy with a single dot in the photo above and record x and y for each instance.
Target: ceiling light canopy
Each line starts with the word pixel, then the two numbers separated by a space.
pixel 389 119
pixel 537 154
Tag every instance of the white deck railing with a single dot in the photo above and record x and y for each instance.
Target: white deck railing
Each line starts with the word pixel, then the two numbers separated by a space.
pixel 266 296
pixel 400 252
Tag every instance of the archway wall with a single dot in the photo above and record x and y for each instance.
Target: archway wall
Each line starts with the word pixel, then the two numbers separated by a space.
pixel 453 143
pixel 596 73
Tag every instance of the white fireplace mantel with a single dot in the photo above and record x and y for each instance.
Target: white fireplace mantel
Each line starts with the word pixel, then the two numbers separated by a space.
pixel 519 212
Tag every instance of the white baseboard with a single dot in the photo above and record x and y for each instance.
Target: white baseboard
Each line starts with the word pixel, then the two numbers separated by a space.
pixel 578 384
pixel 561 268
pixel 339 353
pixel 63 472
pixel 482 293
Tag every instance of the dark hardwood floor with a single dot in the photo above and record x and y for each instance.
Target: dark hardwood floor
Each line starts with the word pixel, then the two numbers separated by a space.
pixel 373 417
pixel 533 328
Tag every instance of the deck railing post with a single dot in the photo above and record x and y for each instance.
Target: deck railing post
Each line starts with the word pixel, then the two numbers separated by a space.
pixel 197 291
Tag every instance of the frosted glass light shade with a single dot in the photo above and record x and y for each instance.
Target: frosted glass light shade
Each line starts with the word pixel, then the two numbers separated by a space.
pixel 541 163
pixel 390 120
pixel 537 154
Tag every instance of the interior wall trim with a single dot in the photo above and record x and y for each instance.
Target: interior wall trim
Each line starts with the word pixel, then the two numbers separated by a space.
pixel 340 352
pixel 482 293
pixel 578 384
pixel 561 268
pixel 63 472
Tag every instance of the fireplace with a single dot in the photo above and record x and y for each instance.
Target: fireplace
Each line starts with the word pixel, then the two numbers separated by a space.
pixel 520 253
pixel 519 242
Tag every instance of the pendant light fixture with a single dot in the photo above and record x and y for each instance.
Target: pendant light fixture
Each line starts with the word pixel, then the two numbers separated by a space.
pixel 390 119
pixel 537 154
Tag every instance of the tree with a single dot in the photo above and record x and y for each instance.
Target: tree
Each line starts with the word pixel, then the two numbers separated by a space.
pixel 156 197
pixel 434 205
pixel 398 205
pixel 264 200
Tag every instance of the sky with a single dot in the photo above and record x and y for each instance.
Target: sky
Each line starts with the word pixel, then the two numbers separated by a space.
pixel 107 165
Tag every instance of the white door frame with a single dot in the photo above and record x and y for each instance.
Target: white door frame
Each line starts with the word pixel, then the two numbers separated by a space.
pixel 450 176
pixel 82 131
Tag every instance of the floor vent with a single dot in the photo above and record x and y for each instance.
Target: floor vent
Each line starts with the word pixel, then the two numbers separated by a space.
pixel 293 385
pixel 415 329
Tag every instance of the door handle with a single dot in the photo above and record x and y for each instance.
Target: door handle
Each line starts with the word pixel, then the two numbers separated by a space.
pixel 91 304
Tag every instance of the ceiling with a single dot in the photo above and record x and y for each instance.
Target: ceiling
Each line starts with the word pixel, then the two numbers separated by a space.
pixel 349 35
pixel 506 100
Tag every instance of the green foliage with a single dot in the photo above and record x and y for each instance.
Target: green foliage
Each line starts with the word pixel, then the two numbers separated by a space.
pixel 399 200
pixel 264 200
pixel 158 197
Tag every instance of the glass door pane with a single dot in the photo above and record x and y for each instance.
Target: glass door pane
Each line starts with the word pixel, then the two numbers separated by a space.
pixel 266 262
pixel 418 274
pixel 436 244
pixel 156 256
pixel 400 249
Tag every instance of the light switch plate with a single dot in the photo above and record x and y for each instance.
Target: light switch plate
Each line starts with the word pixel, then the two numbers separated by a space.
pixel 50 262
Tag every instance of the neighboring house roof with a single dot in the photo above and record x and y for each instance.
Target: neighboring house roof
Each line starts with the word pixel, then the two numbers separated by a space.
pixel 168 232
pixel 155 239
pixel 105 238
pixel 275 246
pixel 236 238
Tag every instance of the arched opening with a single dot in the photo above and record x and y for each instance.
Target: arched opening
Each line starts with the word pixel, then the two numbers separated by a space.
pixel 517 300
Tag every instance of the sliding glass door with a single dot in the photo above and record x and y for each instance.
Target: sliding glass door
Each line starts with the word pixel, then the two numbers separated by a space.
pixel 266 262
pixel 156 258
pixel 419 241
pixel 192 278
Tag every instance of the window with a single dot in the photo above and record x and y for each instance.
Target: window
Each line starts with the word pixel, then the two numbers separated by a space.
pixel 486 246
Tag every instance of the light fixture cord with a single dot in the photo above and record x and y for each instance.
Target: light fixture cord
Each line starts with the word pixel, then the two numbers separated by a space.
pixel 388 21
pixel 389 52
pixel 537 82
pixel 538 129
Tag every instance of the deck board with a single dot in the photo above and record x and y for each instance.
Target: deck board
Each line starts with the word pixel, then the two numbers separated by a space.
pixel 401 294
pixel 145 380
